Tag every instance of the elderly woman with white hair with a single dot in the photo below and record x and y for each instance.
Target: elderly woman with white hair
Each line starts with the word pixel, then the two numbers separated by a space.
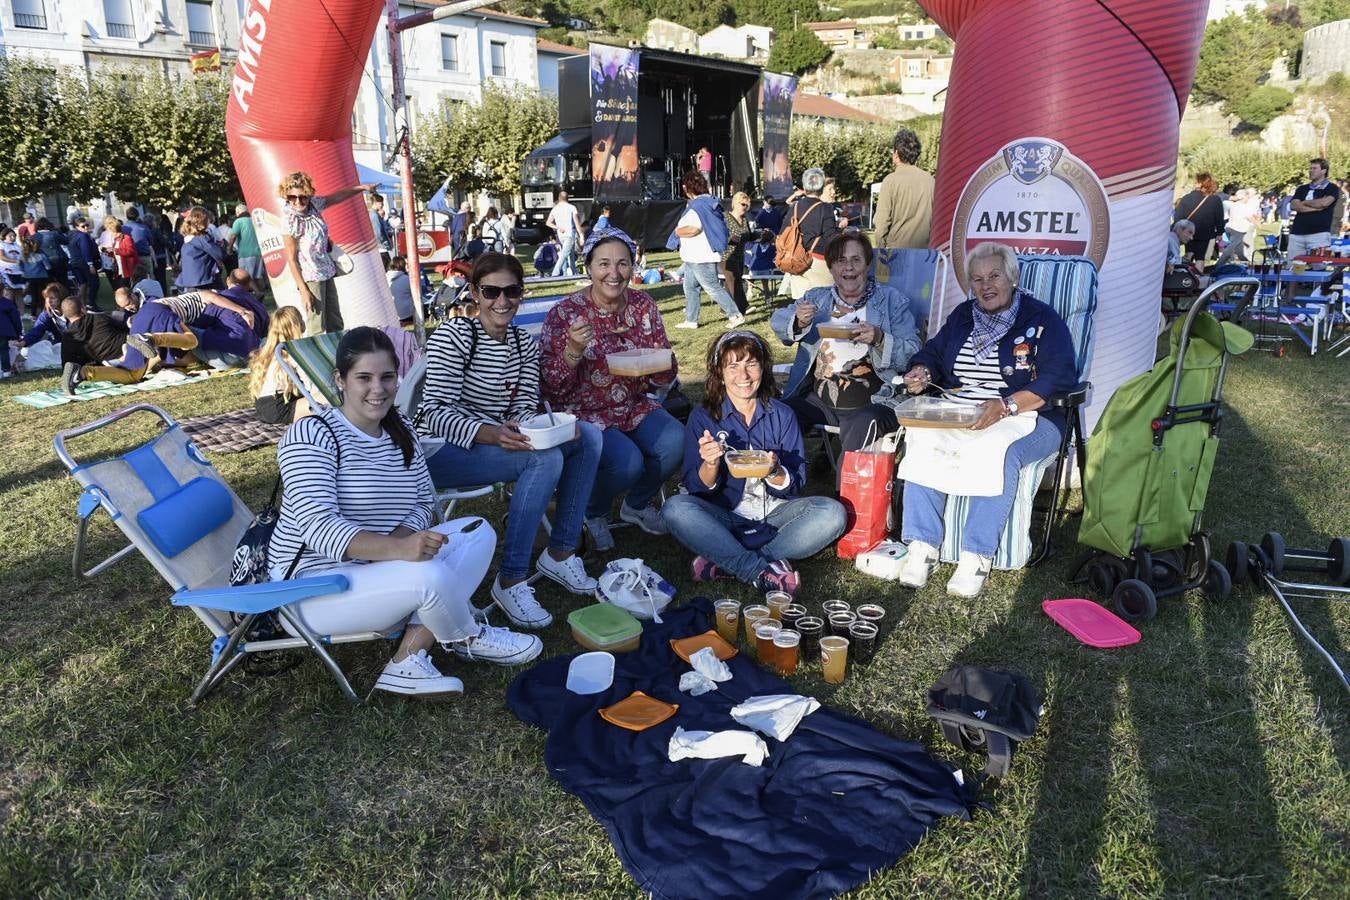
pixel 1004 352
pixel 817 223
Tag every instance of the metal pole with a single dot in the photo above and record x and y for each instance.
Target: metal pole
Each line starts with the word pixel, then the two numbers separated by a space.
pixel 405 154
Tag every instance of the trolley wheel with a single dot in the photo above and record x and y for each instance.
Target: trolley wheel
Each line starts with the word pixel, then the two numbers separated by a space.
pixel 1260 559
pixel 1105 574
pixel 1198 556
pixel 1238 563
pixel 1143 565
pixel 1218 584
pixel 1168 568
pixel 1135 601
pixel 1338 560
pixel 1273 545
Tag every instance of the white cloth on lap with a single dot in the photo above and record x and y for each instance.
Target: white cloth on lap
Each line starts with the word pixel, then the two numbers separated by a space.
pixel 960 461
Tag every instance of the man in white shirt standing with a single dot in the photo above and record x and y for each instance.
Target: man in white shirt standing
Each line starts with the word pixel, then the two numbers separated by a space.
pixel 566 224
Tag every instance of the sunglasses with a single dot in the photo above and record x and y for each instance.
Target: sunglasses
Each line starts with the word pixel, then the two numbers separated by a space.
pixel 303 198
pixel 492 291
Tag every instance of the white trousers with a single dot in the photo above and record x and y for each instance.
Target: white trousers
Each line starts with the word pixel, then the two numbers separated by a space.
pixel 1304 244
pixel 384 595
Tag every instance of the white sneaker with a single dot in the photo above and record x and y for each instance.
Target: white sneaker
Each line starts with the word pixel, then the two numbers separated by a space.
pixel 648 518
pixel 499 646
pixel 687 325
pixel 519 604
pixel 920 561
pixel 415 675
pixel 735 321
pixel 971 572
pixel 570 573
pixel 598 527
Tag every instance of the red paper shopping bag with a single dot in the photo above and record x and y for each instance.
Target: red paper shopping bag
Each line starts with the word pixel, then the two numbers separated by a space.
pixel 865 490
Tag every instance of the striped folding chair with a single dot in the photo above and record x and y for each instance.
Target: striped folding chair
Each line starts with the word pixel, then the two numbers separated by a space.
pixel 315 358
pixel 1069 284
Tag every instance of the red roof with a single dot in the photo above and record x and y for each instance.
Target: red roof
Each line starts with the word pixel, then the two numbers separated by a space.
pixel 830 26
pixel 561 49
pixel 821 107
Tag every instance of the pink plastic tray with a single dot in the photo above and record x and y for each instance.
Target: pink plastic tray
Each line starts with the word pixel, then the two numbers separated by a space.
pixel 1091 623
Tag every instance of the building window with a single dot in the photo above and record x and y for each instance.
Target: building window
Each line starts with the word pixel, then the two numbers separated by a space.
pixel 201 27
pixel 117 15
pixel 498 49
pixel 30 14
pixel 450 52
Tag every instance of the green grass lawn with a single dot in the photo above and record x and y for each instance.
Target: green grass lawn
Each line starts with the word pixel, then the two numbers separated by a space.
pixel 1210 760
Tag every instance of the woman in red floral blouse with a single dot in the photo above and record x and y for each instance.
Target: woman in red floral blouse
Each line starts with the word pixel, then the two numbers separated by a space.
pixel 643 444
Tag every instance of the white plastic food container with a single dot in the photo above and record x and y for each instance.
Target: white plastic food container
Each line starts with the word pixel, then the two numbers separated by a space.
pixel 634 363
pixel 543 435
pixel 590 673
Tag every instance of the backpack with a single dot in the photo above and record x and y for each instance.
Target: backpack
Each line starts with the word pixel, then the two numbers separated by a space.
pixel 545 258
pixel 249 563
pixel 985 708
pixel 791 255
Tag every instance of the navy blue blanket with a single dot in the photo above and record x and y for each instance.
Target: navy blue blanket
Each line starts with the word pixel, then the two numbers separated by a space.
pixel 833 804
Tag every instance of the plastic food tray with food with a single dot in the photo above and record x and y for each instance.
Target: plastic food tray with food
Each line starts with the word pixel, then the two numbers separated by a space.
pixel 635 363
pixel 749 463
pixel 936 412
pixel 542 435
pixel 836 332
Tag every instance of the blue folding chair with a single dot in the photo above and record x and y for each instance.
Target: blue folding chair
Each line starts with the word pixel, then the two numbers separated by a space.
pixel 1069 284
pixel 178 512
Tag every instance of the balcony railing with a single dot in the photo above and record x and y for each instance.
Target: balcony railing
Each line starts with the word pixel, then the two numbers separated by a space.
pixel 203 38
pixel 121 30
pixel 27 20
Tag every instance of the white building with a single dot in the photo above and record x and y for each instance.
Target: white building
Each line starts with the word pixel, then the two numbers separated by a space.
pixel 1220 8
pixel 549 52
pixel 743 42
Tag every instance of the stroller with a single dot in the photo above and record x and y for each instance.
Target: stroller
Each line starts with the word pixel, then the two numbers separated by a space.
pixel 1153 452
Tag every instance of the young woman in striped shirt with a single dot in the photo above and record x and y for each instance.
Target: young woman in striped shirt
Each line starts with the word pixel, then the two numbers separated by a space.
pixel 482 379
pixel 358 501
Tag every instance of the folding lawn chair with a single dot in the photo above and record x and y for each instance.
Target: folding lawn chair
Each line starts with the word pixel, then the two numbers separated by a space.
pixel 183 518
pixel 407 400
pixel 1069 284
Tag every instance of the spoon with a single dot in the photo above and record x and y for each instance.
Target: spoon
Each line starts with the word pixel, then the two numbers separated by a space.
pixel 549 409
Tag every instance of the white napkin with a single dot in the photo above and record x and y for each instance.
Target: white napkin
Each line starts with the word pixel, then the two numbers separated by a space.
pixel 696 683
pixel 706 663
pixel 776 715
pixel 717 744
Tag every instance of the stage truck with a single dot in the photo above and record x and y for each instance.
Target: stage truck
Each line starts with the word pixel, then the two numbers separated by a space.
pixel 631 121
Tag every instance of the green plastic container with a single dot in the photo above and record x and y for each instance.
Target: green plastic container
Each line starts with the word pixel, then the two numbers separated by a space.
pixel 603 626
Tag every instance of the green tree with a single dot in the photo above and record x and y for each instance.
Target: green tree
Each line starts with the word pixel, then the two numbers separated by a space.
pixel 32 160
pixel 783 16
pixel 479 147
pixel 1235 56
pixel 797 52
pixel 1261 105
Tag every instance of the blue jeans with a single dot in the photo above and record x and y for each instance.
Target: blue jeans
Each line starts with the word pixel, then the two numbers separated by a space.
pixel 704 275
pixel 806 525
pixel 568 469
pixel 567 255
pixel 924 507
pixel 638 462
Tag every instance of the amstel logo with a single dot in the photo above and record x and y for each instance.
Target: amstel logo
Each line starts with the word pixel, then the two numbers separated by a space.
pixel 1037 197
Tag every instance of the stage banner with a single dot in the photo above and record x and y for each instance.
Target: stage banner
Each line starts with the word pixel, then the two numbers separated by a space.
pixel 614 107
pixel 1060 136
pixel 777 105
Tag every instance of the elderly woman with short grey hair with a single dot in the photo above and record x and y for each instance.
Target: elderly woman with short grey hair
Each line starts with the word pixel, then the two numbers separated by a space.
pixel 816 222
pixel 1005 353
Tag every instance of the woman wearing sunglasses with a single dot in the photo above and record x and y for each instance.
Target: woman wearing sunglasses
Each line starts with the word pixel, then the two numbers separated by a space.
pixel 482 379
pixel 309 250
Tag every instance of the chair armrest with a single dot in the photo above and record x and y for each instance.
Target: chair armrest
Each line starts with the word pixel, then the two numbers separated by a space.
pixel 259 598
pixel 1075 396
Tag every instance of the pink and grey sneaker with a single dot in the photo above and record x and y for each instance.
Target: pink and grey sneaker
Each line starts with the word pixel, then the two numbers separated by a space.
pixel 707 570
pixel 780 576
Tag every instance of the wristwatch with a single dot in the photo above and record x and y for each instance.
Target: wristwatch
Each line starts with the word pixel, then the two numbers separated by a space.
pixel 1010 406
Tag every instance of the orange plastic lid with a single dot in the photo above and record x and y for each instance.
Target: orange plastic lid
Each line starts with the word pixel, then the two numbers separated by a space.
pixel 687 647
pixel 638 712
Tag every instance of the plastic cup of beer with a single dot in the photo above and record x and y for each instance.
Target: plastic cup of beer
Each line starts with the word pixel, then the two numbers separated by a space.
pixel 871 612
pixel 791 613
pixel 727 613
pixel 841 622
pixel 863 636
pixel 777 601
pixel 833 658
pixel 810 628
pixel 751 615
pixel 787 646
pixel 765 630
pixel 830 607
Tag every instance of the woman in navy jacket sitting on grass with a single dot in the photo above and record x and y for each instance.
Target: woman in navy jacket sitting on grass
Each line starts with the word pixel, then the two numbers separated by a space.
pixel 1007 353
pixel 747 528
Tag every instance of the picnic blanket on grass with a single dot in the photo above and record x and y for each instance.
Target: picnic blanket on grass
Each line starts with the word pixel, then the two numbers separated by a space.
pixel 232 432
pixel 96 390
pixel 833 804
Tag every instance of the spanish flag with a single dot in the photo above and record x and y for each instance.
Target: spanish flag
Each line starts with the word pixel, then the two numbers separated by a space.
pixel 206 61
